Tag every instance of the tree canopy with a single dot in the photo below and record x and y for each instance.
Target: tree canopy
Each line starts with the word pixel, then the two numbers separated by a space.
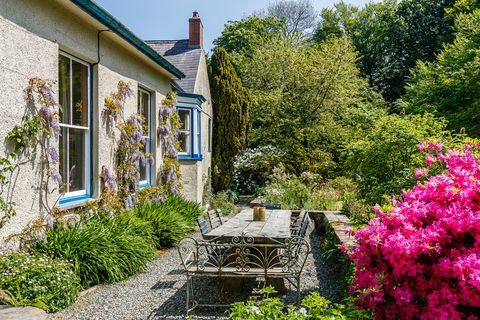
pixel 390 37
pixel 308 100
pixel 449 86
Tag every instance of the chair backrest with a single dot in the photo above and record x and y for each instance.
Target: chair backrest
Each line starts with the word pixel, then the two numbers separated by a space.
pixel 272 206
pixel 303 228
pixel 202 224
pixel 244 255
pixel 220 216
pixel 213 219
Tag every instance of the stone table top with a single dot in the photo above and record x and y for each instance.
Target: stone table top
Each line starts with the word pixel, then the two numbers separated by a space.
pixel 276 226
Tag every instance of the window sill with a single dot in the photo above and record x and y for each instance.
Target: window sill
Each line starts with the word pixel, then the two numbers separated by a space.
pixel 144 185
pixel 75 202
pixel 195 157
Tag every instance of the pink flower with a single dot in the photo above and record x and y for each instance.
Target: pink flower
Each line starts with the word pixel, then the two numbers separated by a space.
pixel 420 259
pixel 429 160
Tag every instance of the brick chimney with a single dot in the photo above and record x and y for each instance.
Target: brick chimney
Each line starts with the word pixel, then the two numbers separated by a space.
pixel 195 32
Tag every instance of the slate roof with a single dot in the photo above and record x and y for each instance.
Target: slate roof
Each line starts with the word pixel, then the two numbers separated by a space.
pixel 181 56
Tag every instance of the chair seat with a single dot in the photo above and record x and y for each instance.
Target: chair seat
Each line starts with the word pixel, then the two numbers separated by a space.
pixel 233 272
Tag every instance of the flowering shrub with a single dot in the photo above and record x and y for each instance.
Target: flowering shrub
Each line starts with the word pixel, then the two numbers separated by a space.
pixel 314 306
pixel 168 131
pixel 420 257
pixel 40 281
pixel 252 168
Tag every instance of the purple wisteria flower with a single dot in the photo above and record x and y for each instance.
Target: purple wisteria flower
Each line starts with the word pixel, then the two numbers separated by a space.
pixel 109 178
pixel 56 177
pixel 53 153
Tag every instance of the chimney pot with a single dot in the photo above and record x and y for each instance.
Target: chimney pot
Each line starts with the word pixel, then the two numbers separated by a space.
pixel 195 32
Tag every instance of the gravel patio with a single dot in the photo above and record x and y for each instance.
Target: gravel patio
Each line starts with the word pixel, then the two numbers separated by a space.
pixel 159 292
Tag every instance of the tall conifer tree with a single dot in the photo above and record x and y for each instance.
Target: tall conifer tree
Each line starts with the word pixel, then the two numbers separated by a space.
pixel 231 116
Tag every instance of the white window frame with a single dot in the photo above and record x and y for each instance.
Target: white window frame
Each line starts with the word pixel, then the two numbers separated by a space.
pixel 87 151
pixel 188 131
pixel 148 137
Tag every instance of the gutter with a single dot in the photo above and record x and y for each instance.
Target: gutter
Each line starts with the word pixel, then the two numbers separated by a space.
pixel 105 18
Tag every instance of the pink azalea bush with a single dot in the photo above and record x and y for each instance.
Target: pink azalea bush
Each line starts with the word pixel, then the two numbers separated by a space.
pixel 420 257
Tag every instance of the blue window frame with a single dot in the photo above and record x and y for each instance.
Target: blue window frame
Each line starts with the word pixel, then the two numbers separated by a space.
pixel 190 136
pixel 74 96
pixel 144 103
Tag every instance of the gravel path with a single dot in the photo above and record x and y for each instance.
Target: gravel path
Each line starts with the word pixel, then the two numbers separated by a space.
pixel 159 292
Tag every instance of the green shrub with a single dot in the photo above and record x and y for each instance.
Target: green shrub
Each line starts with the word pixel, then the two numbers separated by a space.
pixel 314 306
pixel 221 201
pixel 187 209
pixel 169 226
pixel 102 249
pixel 40 281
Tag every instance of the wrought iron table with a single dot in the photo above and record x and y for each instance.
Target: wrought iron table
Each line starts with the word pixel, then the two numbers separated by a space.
pixel 275 229
pixel 276 226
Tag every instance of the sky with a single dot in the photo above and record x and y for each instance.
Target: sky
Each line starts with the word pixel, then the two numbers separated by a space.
pixel 168 19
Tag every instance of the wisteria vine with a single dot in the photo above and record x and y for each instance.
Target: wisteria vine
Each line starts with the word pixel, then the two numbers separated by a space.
pixel 168 132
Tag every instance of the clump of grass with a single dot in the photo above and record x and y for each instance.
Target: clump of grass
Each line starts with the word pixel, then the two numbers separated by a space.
pixel 171 220
pixel 103 249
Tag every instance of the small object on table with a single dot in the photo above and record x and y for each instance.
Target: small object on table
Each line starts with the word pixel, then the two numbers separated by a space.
pixel 262 212
pixel 256 216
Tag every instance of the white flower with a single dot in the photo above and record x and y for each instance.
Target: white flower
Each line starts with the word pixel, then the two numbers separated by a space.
pixel 303 310
pixel 255 309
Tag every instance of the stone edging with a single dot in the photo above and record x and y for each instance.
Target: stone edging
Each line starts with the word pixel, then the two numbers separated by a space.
pixel 340 224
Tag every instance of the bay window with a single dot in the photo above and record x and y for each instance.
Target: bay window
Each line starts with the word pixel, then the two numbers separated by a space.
pixel 185 131
pixel 190 135
pixel 74 116
pixel 144 109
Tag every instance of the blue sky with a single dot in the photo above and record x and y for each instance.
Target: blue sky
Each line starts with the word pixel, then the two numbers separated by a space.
pixel 168 19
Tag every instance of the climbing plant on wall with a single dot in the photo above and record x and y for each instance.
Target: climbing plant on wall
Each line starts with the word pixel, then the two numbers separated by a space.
pixel 124 183
pixel 168 132
pixel 38 133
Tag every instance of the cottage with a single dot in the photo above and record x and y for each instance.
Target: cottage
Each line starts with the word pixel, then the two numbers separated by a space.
pixel 86 52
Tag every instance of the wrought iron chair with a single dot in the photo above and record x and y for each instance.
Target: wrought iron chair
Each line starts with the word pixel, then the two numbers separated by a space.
pixel 272 206
pixel 202 224
pixel 213 219
pixel 301 225
pixel 220 216
pixel 242 257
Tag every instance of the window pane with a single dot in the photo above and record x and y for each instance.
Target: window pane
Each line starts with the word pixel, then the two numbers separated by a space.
pixel 143 169
pixel 184 119
pixel 184 139
pixel 64 88
pixel 80 94
pixel 143 109
pixel 62 153
pixel 76 159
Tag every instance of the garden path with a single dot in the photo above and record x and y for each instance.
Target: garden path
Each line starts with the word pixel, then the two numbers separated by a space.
pixel 159 292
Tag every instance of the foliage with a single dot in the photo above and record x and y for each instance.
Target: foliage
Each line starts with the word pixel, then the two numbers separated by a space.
pixel 129 155
pixel 314 306
pixel 448 87
pixel 309 101
pixel 171 219
pixel 382 162
pixel 168 130
pixel 390 36
pixel 38 280
pixel 419 258
pixel 304 191
pixel 252 168
pixel 103 249
pixel 240 38
pixel 232 102
pixel 222 201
